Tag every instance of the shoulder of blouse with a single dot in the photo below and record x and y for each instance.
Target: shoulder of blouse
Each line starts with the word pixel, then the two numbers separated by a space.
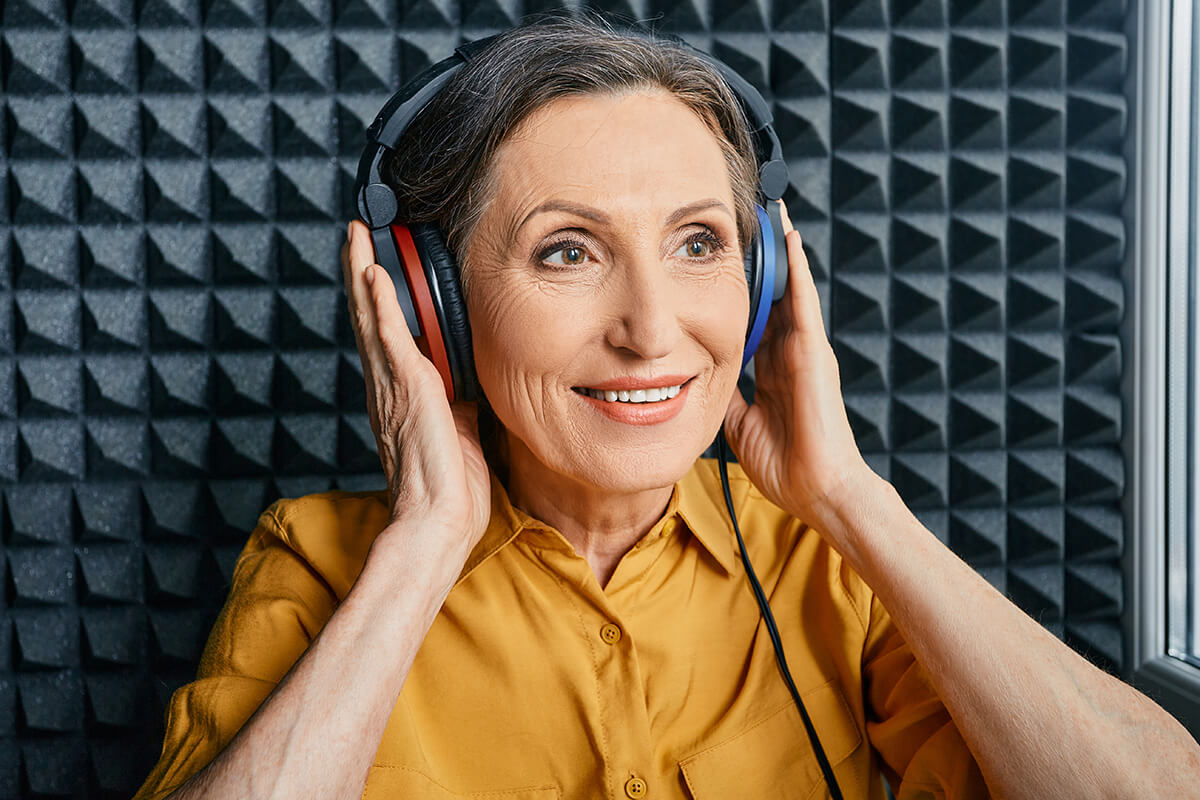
pixel 330 531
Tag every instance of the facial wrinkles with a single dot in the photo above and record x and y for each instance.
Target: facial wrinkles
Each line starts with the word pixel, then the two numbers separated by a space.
pixel 527 340
pixel 520 289
pixel 634 165
pixel 523 302
pixel 543 332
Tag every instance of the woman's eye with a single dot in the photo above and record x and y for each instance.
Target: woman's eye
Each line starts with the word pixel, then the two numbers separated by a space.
pixel 696 248
pixel 571 255
pixel 701 247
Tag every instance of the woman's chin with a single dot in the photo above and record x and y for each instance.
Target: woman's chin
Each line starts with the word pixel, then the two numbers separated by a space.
pixel 642 456
pixel 593 448
pixel 639 469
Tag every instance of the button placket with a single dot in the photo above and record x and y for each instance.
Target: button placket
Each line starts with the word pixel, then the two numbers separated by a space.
pixel 623 726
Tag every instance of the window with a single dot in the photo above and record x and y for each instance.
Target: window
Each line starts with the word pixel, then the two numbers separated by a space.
pixel 1183 611
pixel 1164 560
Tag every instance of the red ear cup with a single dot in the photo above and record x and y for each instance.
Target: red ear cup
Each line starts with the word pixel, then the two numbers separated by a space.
pixel 442 278
pixel 430 342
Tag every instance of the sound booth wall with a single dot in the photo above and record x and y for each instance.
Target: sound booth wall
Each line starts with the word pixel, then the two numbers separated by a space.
pixel 175 352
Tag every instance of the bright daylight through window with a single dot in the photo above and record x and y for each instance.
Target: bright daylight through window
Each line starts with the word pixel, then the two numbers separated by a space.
pixel 1165 330
pixel 1184 542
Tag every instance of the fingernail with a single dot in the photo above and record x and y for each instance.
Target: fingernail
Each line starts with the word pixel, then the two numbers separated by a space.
pixel 370 275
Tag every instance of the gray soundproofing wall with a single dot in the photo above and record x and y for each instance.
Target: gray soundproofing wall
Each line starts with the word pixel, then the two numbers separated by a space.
pixel 175 352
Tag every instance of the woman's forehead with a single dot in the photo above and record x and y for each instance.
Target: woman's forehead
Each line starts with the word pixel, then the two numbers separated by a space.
pixel 644 152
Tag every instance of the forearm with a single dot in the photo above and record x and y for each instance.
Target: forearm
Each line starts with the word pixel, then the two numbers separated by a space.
pixel 317 733
pixel 1040 719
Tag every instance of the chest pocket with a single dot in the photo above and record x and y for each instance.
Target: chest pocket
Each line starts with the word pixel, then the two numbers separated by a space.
pixel 387 782
pixel 773 759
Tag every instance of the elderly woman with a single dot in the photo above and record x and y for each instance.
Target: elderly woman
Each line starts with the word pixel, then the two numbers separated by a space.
pixel 561 610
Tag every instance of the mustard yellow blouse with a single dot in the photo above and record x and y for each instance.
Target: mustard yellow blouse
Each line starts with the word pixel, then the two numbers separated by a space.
pixel 534 682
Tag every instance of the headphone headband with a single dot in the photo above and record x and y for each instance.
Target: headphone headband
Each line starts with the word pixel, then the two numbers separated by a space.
pixel 376 201
pixel 425 272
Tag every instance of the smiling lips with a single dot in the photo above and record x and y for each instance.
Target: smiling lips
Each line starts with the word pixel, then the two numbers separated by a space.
pixel 635 395
pixel 638 401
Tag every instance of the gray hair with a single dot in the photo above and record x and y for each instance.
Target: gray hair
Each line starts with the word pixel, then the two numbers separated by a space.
pixel 441 169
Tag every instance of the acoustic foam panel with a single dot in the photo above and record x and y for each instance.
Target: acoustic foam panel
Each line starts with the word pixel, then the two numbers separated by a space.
pixel 175 353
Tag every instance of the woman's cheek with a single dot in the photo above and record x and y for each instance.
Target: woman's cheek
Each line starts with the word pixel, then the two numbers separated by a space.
pixel 725 311
pixel 525 343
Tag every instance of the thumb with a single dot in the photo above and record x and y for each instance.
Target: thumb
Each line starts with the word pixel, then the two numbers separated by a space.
pixel 466 418
pixel 735 419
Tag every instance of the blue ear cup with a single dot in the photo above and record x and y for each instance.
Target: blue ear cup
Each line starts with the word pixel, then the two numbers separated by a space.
pixel 766 274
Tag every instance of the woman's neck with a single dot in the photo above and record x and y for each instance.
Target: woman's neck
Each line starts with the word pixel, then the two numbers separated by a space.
pixel 601 524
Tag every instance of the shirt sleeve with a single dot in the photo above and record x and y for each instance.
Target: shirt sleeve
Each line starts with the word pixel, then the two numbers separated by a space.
pixel 923 754
pixel 276 606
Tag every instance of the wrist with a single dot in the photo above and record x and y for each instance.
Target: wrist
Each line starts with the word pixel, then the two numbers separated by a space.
pixel 842 489
pixel 424 550
pixel 854 510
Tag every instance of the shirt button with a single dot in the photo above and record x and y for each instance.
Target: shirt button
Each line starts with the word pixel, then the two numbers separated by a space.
pixel 610 633
pixel 635 788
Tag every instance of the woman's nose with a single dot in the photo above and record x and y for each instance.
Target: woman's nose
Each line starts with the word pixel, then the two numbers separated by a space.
pixel 646 318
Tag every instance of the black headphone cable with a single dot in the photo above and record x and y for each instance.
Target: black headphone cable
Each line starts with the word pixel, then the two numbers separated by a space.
pixel 769 618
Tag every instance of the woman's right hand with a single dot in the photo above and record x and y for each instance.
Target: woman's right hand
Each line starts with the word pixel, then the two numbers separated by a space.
pixel 436 474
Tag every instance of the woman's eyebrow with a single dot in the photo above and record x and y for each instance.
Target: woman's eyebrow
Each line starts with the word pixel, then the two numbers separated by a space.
pixel 596 215
pixel 578 209
pixel 692 208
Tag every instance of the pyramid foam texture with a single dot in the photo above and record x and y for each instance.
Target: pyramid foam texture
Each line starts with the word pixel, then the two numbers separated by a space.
pixel 175 353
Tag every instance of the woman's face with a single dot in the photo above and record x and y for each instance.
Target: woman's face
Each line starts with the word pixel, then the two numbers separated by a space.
pixel 608 254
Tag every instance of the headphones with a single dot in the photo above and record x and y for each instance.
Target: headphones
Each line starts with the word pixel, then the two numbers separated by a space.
pixel 425 273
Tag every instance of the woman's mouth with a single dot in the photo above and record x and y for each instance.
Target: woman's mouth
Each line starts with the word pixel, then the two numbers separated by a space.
pixel 637 406
pixel 632 396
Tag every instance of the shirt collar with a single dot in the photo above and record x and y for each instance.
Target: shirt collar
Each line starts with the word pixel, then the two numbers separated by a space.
pixel 702 507
pixel 697 500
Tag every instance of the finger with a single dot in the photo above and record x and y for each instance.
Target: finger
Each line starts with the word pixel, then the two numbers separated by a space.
pixel 362 308
pixel 784 319
pixel 783 214
pixel 361 255
pixel 348 272
pixel 348 285
pixel 395 338
pixel 785 315
pixel 802 289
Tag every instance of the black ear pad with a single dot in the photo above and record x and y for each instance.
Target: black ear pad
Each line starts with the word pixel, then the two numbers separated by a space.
pixel 753 263
pixel 442 273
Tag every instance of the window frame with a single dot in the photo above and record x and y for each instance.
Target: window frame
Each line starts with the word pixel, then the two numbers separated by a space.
pixel 1163 508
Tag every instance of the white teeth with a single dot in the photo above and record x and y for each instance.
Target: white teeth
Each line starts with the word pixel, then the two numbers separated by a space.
pixel 636 395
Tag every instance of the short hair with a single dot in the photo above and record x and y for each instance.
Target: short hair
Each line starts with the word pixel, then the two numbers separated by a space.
pixel 441 167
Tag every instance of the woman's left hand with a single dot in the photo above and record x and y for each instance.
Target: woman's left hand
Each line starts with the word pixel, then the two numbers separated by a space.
pixel 795 441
